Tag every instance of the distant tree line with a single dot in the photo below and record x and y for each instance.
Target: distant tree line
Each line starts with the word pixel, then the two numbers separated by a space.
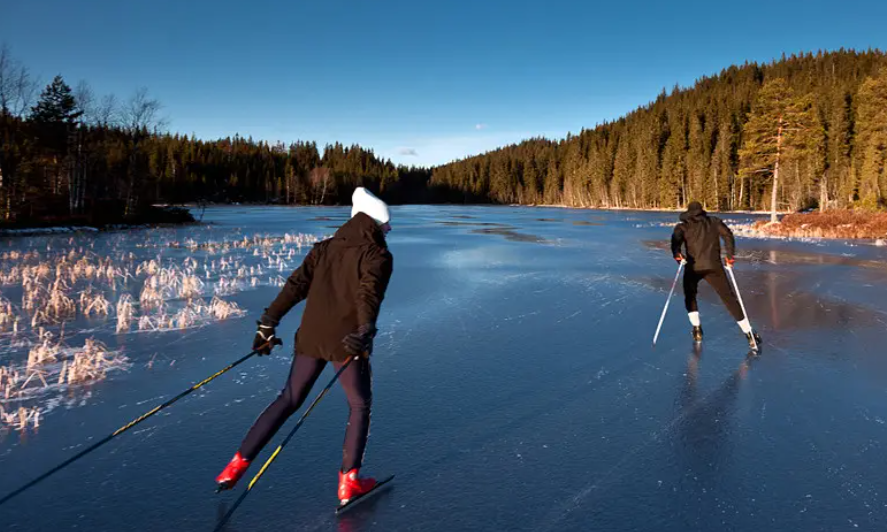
pixel 805 131
pixel 66 155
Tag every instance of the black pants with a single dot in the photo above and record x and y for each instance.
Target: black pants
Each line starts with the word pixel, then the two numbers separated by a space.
pixel 717 278
pixel 357 382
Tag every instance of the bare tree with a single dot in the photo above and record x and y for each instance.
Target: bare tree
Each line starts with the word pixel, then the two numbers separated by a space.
pixel 17 90
pixel 87 103
pixel 319 178
pixel 142 113
pixel 81 157
pixel 141 117
pixel 96 111
pixel 107 111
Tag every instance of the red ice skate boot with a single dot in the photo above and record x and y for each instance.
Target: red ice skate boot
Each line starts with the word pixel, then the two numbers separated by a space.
pixel 232 472
pixel 351 486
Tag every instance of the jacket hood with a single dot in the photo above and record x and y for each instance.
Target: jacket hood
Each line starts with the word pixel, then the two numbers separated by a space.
pixel 694 212
pixel 360 231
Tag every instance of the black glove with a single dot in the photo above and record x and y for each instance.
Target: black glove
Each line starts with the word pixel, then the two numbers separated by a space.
pixel 266 338
pixel 360 342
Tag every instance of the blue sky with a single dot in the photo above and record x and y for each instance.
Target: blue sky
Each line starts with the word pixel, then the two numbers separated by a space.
pixel 419 82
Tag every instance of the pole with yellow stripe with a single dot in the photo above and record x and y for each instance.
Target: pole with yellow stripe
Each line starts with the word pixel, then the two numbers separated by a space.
pixel 131 424
pixel 280 447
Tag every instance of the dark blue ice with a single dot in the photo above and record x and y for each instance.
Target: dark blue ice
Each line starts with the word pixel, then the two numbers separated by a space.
pixel 515 389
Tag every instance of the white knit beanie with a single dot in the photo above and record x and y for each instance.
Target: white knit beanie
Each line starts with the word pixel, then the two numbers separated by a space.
pixel 363 201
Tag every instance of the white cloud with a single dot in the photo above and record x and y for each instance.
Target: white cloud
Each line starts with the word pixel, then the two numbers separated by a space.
pixel 432 151
pixel 480 126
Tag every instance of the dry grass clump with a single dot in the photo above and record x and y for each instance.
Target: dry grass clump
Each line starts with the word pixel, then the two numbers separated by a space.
pixel 11 277
pixel 47 303
pixel 20 419
pixel 46 351
pixel 226 246
pixel 89 363
pixel 150 267
pixel 190 287
pixel 152 293
pixel 170 283
pixel 8 317
pixel 124 312
pixel 222 310
pixel 94 304
pixel 61 282
pixel 59 306
pixel 9 381
pixel 102 269
pixel 829 224
pixel 80 365
pixel 227 286
pixel 196 312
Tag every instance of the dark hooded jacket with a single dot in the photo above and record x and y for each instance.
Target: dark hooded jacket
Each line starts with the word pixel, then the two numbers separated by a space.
pixel 702 235
pixel 344 279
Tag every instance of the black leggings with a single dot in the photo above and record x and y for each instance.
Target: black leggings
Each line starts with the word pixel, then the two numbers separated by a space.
pixel 718 280
pixel 357 383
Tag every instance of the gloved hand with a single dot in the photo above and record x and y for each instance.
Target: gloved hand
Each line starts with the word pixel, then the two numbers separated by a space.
pixel 730 261
pixel 680 259
pixel 361 341
pixel 266 338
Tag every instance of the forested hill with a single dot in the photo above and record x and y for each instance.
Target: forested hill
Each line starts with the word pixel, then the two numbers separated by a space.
pixel 814 124
pixel 820 119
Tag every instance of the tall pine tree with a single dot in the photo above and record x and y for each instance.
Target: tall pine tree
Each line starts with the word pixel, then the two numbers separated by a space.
pixel 872 139
pixel 780 129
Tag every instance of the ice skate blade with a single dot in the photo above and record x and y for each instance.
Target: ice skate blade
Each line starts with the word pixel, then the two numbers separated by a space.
pixel 349 503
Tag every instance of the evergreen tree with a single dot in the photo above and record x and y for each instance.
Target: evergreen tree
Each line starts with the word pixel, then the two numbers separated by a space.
pixel 839 125
pixel 779 129
pixel 697 164
pixel 623 171
pixel 56 105
pixel 720 188
pixel 872 139
pixel 673 184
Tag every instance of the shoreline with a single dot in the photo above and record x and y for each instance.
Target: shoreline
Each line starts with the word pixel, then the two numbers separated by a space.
pixel 153 216
pixel 829 225
pixel 659 210
pixel 750 230
pixel 854 226
pixel 64 229
pixel 535 206
pixel 837 225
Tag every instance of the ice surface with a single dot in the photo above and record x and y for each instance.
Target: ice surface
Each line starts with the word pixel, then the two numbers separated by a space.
pixel 514 389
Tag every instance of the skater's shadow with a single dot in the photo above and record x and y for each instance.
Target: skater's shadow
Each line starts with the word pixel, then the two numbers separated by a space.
pixel 363 514
pixel 705 429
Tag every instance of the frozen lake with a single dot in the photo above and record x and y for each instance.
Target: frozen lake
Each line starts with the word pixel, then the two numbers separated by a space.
pixel 515 388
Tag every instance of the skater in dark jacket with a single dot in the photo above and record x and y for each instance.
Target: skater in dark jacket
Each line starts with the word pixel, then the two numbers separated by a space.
pixel 701 234
pixel 344 280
